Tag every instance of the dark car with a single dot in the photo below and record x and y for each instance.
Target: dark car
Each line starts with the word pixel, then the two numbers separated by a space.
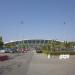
pixel 38 51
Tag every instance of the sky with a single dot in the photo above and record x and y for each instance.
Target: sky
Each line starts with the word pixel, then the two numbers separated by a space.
pixel 37 19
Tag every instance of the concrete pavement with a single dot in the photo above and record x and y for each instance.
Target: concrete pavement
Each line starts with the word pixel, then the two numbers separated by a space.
pixel 41 65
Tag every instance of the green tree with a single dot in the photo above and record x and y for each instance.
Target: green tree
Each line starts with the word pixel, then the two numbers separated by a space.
pixel 45 49
pixel 1 42
pixel 8 45
pixel 68 45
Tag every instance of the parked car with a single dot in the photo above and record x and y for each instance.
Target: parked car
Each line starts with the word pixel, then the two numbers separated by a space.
pixel 8 51
pixel 38 51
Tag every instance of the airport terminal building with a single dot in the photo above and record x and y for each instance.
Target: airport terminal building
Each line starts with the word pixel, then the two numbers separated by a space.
pixel 29 43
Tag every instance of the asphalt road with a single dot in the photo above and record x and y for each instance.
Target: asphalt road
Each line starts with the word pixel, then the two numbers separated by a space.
pixel 38 64
pixel 17 64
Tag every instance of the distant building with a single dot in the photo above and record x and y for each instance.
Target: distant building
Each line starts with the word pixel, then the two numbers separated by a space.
pixel 29 43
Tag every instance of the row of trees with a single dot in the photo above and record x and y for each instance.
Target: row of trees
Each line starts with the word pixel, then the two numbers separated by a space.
pixel 13 45
pixel 57 46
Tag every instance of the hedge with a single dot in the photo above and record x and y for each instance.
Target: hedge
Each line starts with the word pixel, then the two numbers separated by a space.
pixel 60 52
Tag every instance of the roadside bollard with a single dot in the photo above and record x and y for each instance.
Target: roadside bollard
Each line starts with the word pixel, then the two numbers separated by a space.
pixel 48 56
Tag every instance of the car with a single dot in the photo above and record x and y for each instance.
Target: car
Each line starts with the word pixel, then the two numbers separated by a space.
pixel 38 51
pixel 8 51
